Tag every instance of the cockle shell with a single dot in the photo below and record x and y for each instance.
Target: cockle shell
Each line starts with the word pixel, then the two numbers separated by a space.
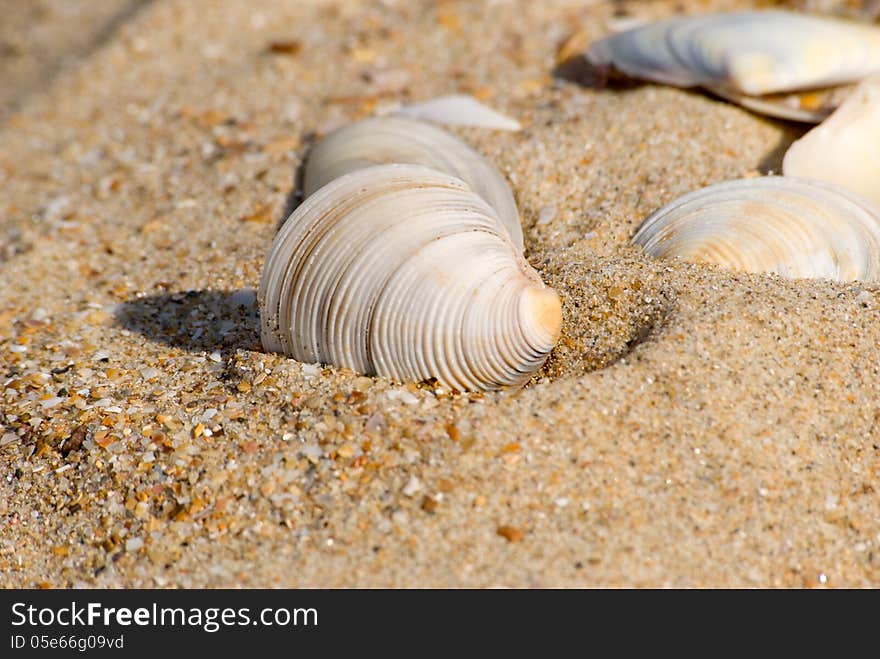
pixel 792 227
pixel 385 140
pixel 404 271
pixel 845 148
pixel 750 57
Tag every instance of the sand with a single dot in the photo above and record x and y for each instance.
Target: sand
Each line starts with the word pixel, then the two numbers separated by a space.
pixel 695 427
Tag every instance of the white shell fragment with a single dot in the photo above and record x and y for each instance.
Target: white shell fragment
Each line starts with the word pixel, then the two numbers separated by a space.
pixel 405 272
pixel 459 110
pixel 809 106
pixel 789 226
pixel 746 54
pixel 386 140
pixel 845 149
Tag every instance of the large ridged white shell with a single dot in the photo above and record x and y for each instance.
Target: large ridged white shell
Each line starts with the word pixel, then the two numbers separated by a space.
pixel 792 227
pixel 845 148
pixel 403 271
pixel 746 54
pixel 401 140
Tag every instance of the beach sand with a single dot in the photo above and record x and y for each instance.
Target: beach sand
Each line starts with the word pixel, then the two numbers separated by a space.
pixel 695 427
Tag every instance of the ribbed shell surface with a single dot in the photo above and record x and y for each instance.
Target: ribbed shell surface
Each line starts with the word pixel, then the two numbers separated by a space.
pixel 385 140
pixel 789 226
pixel 403 271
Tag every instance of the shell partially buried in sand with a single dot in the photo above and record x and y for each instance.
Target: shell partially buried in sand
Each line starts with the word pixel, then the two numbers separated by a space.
pixel 756 58
pixel 385 140
pixel 792 227
pixel 404 271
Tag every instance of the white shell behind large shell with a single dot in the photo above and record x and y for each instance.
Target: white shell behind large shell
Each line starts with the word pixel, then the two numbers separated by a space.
pixel 789 226
pixel 385 140
pixel 745 53
pixel 459 110
pixel 403 271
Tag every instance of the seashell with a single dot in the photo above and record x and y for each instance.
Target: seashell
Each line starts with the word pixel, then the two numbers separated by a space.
pixel 746 55
pixel 399 140
pixel 809 106
pixel 459 110
pixel 403 271
pixel 845 149
pixel 792 227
